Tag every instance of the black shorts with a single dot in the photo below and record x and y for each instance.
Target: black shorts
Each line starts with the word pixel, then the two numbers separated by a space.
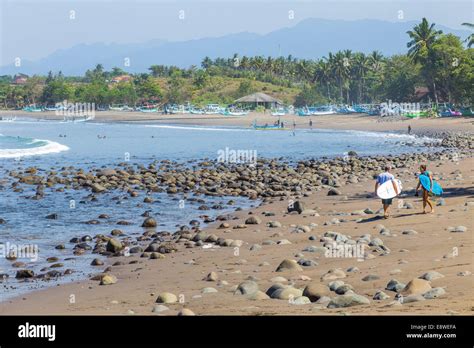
pixel 387 201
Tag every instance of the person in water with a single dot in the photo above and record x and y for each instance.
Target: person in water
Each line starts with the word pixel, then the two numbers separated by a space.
pixel 409 129
pixel 425 192
pixel 381 179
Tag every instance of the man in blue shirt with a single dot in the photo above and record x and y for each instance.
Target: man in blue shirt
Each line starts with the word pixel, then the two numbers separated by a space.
pixel 381 179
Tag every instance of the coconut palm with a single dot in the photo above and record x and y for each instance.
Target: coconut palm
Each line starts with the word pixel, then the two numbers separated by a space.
pixel 423 36
pixel 322 74
pixel 470 38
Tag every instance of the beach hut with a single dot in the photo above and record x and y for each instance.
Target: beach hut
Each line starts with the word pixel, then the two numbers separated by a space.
pixel 259 99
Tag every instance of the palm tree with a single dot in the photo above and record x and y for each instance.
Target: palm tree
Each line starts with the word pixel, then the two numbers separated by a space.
pixel 360 68
pixel 322 74
pixel 423 36
pixel 470 38
pixel 339 69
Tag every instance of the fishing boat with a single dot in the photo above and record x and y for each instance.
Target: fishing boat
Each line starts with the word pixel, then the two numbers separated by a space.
pixel 268 126
pixel 147 110
pixel 213 109
pixel 234 112
pixel 32 108
pixel 467 111
pixel 120 108
pixel 278 112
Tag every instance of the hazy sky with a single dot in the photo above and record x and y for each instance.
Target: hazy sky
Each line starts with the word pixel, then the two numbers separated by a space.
pixel 34 29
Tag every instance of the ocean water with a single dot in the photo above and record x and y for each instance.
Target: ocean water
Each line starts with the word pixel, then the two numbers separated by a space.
pixel 51 145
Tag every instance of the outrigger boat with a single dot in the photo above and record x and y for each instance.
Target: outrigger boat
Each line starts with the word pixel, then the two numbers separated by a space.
pixel 32 108
pixel 268 127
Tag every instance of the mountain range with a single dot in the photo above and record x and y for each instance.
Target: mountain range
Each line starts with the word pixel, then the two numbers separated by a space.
pixel 309 39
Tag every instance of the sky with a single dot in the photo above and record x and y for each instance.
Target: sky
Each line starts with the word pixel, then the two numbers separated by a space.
pixel 32 29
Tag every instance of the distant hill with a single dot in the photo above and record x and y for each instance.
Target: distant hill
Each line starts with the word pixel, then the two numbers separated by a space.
pixel 311 38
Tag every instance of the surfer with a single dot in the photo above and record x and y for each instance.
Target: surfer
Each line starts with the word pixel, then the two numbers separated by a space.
pixel 381 179
pixel 426 193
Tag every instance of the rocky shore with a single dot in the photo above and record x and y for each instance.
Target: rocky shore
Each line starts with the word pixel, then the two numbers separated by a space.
pixel 271 183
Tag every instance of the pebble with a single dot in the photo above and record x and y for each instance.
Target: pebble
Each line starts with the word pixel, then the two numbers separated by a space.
pixel 370 277
pixel 457 229
pixel 186 312
pixel 288 265
pixel 333 274
pixel 108 279
pixel 434 293
pixel 348 300
pixel 315 290
pixel 416 286
pixel 380 295
pixel 166 297
pixel 209 290
pixel 247 287
pixel 431 275
pixel 159 309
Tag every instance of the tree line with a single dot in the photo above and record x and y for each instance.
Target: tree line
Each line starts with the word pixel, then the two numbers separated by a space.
pixel 437 61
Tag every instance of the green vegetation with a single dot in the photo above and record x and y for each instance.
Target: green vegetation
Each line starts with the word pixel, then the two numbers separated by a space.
pixel 434 60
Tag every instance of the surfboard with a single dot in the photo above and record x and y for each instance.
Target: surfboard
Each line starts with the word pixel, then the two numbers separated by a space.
pixel 425 182
pixel 387 191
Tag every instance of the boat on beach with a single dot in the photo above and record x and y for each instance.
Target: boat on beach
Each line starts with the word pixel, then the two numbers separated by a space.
pixel 32 108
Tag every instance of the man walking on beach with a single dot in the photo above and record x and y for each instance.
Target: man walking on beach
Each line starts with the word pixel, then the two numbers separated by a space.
pixel 381 179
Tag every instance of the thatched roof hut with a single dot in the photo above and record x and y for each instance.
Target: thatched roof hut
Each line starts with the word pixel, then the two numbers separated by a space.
pixel 256 99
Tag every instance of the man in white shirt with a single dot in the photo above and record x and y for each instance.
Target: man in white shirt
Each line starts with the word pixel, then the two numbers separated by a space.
pixel 381 179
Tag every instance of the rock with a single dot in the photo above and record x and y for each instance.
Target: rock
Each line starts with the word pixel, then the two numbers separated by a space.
pixel 247 287
pixel 344 288
pixel 464 273
pixel 166 297
pixel 97 262
pixel 208 290
pixel 212 277
pixel 297 206
pixel 301 300
pixel 253 220
pixel 348 300
pixel 395 285
pixel 431 275
pixel 457 229
pixel 315 290
pixel 409 232
pixel 185 312
pixel 96 188
pixel 334 192
pixel 416 286
pixel 335 284
pixel 288 265
pixel 286 293
pixel 380 295
pixel 259 295
pixel 368 211
pixel 114 245
pixel 333 274
pixel 255 247
pixel 53 216
pixel 283 242
pixel 370 277
pixel 156 256
pixel 116 232
pixel 149 223
pixel 224 225
pixel 108 279
pixel 434 293
pixel 24 273
pixel 410 298
pixel 159 309
pixel 274 224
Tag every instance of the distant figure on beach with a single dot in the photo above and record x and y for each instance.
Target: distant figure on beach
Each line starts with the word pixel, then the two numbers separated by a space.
pixel 381 179
pixel 426 193
pixel 409 129
pixel 294 124
pixel 311 124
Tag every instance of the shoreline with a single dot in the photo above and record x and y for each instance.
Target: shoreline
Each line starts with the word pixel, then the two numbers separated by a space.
pixel 125 272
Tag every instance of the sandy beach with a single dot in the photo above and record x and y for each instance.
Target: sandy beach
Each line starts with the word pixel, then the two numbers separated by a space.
pixel 340 121
pixel 210 278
